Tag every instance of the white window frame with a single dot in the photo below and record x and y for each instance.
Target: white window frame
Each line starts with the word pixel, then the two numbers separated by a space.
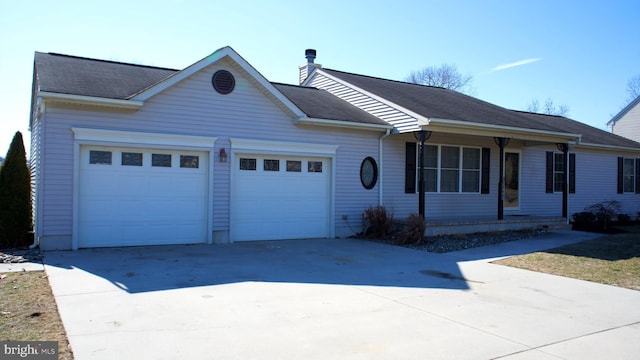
pixel 460 168
pixel 624 175
pixel 564 172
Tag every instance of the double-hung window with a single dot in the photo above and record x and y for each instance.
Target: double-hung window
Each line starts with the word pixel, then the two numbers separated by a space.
pixel 557 171
pixel 628 175
pixel 451 169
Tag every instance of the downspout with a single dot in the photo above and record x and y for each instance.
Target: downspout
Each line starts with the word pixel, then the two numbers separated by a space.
pixel 380 166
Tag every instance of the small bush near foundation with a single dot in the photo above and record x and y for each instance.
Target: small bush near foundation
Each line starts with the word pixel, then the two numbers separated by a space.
pixel 413 232
pixel 624 220
pixel 597 217
pixel 585 221
pixel 380 223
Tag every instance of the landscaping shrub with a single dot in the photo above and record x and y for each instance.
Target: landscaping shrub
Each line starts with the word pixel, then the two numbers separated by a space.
pixel 380 224
pixel 413 232
pixel 585 221
pixel 624 220
pixel 15 197
pixel 597 217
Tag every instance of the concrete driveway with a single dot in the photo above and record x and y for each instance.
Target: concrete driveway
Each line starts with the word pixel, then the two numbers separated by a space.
pixel 334 299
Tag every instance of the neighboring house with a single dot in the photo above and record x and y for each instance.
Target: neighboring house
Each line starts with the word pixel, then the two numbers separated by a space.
pixel 125 154
pixel 627 122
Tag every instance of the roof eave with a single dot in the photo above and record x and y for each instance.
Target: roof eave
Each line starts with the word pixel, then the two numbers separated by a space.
pixel 475 128
pixel 342 124
pixel 624 111
pixel 608 147
pixel 53 97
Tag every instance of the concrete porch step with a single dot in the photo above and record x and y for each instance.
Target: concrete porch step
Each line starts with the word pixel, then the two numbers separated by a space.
pixel 450 227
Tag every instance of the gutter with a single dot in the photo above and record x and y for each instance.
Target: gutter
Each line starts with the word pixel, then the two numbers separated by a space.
pixel 90 100
pixel 342 124
pixel 534 134
pixel 609 147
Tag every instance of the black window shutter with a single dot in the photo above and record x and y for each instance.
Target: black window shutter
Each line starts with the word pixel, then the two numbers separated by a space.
pixel 572 173
pixel 620 175
pixel 637 176
pixel 410 168
pixel 486 168
pixel 549 187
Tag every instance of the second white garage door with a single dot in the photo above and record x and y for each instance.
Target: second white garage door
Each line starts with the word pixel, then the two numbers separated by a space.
pixel 276 197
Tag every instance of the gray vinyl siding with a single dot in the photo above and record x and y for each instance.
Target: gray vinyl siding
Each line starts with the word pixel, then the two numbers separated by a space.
pixel 438 206
pixel 34 170
pixel 401 121
pixel 629 125
pixel 192 107
pixel 596 181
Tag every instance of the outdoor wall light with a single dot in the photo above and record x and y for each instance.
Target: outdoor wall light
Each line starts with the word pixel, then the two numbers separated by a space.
pixel 223 155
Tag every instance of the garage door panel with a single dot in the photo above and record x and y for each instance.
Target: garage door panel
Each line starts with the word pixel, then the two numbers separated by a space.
pixel 280 204
pixel 123 205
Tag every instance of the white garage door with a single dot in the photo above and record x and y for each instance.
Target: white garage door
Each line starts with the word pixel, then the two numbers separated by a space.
pixel 141 197
pixel 277 197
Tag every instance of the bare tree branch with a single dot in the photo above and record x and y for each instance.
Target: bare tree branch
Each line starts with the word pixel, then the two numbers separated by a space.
pixel 446 76
pixel 549 108
pixel 633 88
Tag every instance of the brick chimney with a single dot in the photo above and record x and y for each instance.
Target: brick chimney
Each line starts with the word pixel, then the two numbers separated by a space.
pixel 307 68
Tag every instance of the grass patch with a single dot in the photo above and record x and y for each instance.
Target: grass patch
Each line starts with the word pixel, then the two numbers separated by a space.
pixel 28 311
pixel 611 259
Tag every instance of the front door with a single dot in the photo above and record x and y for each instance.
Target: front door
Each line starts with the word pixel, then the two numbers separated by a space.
pixel 511 180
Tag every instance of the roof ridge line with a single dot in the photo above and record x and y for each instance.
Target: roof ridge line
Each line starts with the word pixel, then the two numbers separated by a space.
pixel 108 61
pixel 385 79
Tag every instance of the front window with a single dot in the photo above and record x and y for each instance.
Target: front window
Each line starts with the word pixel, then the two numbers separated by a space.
pixel 451 169
pixel 559 168
pixel 628 173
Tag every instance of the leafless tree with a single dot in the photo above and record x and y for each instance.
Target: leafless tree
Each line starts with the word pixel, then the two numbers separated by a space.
pixel 548 108
pixel 446 76
pixel 633 88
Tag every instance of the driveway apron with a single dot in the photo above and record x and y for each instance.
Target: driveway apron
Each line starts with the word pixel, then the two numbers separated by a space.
pixel 334 299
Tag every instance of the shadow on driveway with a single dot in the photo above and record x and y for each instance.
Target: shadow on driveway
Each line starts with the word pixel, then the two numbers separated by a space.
pixel 316 261
pixel 313 261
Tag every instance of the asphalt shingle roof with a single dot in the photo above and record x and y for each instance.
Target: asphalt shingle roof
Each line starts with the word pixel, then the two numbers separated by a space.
pixel 108 79
pixel 90 77
pixel 321 104
pixel 590 134
pixel 440 103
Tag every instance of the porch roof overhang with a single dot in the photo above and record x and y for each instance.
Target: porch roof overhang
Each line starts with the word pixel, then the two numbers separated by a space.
pixel 341 124
pixel 490 130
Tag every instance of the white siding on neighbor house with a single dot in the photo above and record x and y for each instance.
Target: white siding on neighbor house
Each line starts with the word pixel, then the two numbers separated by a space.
pixel 629 125
pixel 401 121
pixel 192 107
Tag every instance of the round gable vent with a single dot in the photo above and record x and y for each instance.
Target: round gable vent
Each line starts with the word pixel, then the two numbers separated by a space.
pixel 223 82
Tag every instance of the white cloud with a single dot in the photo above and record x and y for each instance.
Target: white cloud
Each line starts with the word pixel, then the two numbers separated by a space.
pixel 514 64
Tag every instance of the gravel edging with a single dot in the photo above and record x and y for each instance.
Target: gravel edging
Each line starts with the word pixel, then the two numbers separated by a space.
pixel 20 256
pixel 448 243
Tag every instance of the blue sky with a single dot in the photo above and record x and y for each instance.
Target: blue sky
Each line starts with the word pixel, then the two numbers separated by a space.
pixel 577 53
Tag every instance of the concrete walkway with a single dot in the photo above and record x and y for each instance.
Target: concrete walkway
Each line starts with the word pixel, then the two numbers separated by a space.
pixel 335 299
